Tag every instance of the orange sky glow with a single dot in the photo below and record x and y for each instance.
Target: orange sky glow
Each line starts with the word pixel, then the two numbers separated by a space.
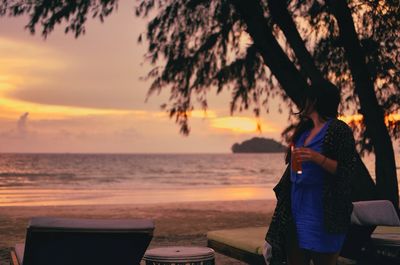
pixel 85 95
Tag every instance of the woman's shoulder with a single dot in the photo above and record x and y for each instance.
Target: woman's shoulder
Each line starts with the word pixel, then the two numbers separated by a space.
pixel 338 131
pixel 338 125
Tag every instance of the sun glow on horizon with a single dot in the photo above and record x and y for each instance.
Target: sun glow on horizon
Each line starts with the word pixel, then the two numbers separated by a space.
pixel 240 125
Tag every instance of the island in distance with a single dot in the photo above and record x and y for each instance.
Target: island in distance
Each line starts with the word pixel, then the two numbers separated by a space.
pixel 258 145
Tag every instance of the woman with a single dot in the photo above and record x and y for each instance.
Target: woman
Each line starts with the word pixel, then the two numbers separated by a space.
pixel 313 208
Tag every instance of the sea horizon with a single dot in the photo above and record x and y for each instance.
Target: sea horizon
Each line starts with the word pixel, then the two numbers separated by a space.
pixel 34 179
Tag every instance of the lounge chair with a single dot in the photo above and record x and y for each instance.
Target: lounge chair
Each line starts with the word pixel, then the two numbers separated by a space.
pixel 368 219
pixel 385 244
pixel 247 244
pixel 64 241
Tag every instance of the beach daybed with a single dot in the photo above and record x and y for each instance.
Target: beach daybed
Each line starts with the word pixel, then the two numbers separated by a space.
pixel 376 217
pixel 245 244
pixel 385 244
pixel 65 241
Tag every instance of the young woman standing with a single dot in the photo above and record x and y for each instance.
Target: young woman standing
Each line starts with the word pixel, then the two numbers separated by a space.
pixel 314 205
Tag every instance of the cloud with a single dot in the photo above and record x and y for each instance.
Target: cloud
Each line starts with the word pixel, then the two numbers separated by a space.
pixel 14 131
pixel 22 124
pixel 85 95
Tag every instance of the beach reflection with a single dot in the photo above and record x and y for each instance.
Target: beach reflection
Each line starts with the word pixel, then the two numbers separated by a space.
pixel 58 197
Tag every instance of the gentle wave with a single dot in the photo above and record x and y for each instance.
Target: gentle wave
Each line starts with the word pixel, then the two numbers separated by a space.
pixel 133 171
pixel 37 175
pixel 76 179
pixel 141 171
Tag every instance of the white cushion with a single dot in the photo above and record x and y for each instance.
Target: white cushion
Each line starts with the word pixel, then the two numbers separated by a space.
pixel 378 212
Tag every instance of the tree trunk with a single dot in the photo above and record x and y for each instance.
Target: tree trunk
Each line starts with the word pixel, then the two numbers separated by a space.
pixel 284 20
pixel 385 166
pixel 363 185
pixel 272 53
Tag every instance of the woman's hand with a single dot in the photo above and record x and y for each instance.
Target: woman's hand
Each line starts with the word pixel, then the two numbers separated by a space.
pixel 303 154
pixel 306 154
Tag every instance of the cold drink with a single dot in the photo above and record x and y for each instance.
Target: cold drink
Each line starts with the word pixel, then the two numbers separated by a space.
pixel 296 166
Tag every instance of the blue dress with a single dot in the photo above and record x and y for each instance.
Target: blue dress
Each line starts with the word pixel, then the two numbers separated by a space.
pixel 306 200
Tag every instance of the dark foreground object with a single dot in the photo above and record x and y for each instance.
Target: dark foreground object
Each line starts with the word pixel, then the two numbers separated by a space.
pixel 380 248
pixel 64 241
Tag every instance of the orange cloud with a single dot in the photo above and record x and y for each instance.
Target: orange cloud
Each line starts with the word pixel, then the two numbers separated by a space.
pixel 192 114
pixel 351 118
pixel 240 124
pixel 357 118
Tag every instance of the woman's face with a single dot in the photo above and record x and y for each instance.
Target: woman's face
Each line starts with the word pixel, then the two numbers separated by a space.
pixel 308 108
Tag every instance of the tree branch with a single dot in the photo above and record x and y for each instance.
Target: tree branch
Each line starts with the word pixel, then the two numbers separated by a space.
pixel 284 20
pixel 273 55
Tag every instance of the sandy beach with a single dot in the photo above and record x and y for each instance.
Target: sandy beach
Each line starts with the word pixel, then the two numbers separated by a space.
pixel 195 220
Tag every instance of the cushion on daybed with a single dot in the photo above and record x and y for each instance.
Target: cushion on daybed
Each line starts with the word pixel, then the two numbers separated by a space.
pixel 250 239
pixel 386 236
pixel 378 212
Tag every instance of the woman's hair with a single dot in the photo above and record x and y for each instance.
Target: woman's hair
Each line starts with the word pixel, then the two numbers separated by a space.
pixel 326 98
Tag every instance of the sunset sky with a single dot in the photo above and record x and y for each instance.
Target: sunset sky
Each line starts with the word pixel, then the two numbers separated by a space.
pixel 84 95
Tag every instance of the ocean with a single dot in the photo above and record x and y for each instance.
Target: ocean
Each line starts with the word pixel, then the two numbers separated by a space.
pixel 86 179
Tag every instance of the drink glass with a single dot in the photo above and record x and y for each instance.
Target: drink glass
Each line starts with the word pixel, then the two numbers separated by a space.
pixel 296 166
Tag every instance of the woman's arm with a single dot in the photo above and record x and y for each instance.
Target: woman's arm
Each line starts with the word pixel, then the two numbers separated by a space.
pixel 326 163
pixel 307 154
pixel 345 154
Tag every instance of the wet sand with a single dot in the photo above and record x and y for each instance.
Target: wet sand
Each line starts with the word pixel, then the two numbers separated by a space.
pixel 195 220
